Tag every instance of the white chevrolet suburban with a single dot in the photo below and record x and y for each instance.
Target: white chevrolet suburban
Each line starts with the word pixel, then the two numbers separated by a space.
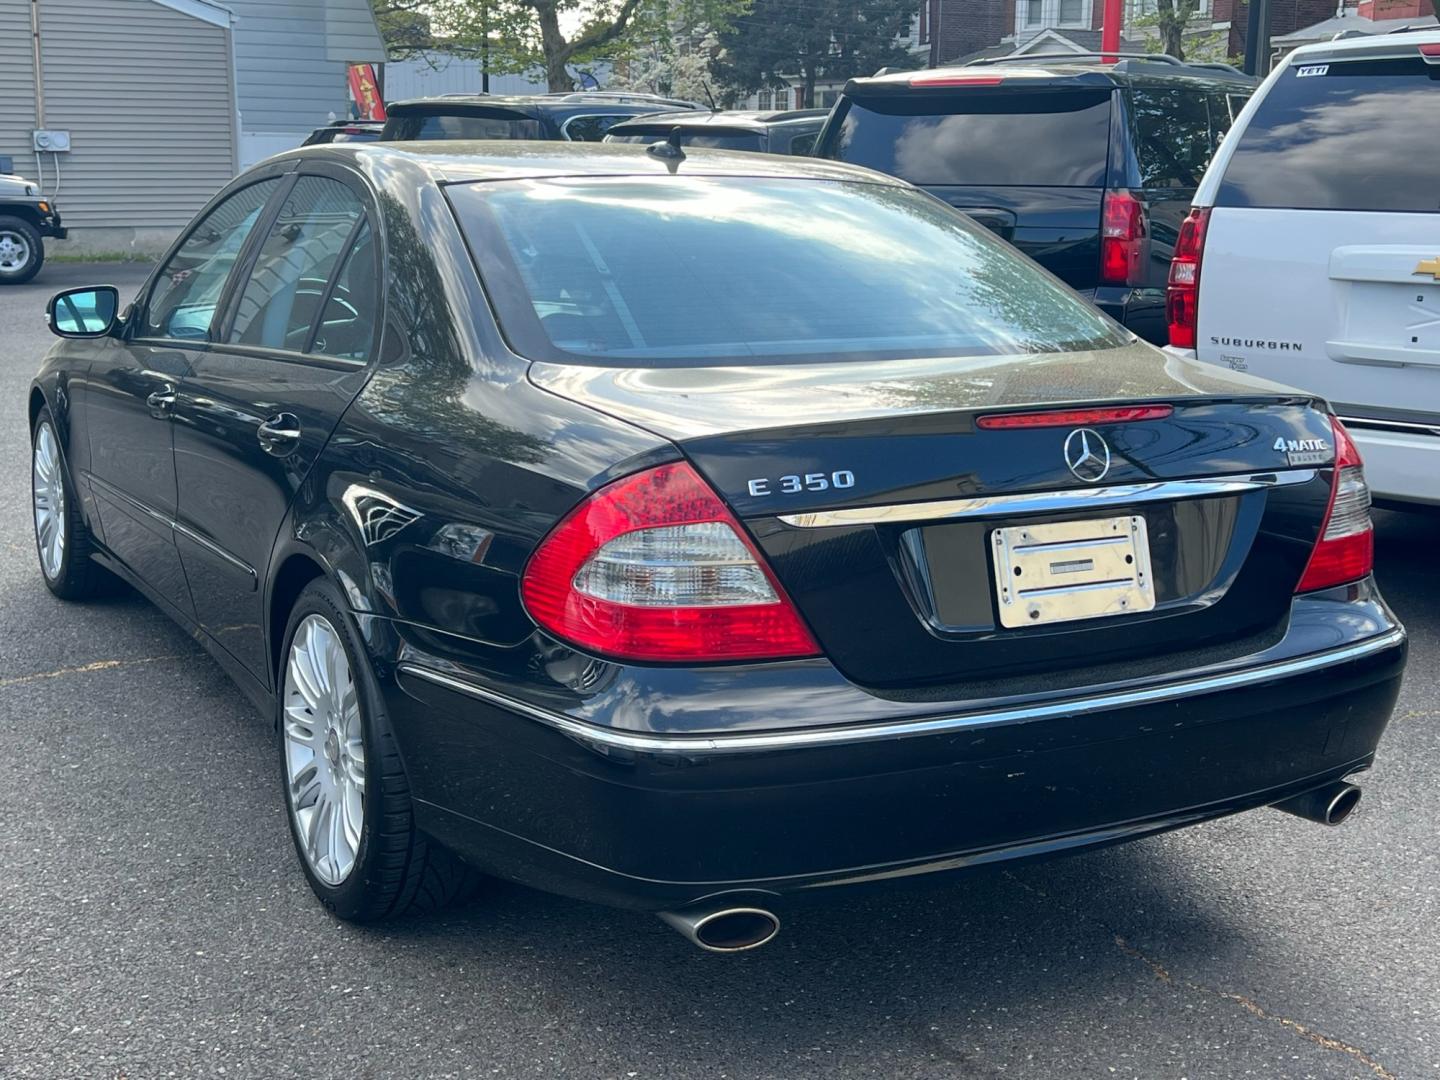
pixel 1311 255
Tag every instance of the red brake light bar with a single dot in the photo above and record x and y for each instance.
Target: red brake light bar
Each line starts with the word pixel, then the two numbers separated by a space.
pixel 957 80
pixel 1123 414
pixel 1431 49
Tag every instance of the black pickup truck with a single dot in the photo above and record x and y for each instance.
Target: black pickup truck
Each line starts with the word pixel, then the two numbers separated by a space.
pixel 25 217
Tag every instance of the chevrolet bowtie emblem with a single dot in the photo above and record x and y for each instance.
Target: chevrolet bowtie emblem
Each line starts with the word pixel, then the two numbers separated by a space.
pixel 1429 266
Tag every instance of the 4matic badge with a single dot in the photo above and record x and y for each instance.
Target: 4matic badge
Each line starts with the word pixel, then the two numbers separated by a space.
pixel 1304 451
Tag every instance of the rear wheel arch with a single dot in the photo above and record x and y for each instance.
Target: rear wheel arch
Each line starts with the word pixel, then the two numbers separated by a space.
pixel 295 572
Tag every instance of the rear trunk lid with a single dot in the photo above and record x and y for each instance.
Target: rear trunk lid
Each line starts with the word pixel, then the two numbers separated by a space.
pixel 1320 269
pixel 883 501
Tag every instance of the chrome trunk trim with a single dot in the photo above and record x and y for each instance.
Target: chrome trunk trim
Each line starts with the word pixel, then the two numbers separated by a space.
pixel 1040 502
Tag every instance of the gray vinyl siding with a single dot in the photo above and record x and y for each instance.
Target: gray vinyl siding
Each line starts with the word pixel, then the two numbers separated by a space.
pixel 17 86
pixel 145 92
pixel 290 60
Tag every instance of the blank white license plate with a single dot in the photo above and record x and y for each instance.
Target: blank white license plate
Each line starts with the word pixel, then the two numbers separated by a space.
pixel 1066 570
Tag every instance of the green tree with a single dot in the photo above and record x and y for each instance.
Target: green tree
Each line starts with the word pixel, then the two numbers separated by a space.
pixel 814 39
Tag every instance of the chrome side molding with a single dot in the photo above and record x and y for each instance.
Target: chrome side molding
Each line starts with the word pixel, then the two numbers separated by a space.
pixel 1038 502
pixel 642 742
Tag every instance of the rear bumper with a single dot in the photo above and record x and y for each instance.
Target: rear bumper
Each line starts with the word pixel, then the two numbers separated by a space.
pixel 1400 466
pixel 1140 310
pixel 653 821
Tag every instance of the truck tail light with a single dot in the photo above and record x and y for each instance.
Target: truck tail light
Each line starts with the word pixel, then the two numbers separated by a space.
pixel 1123 233
pixel 1183 295
pixel 1345 551
pixel 654 567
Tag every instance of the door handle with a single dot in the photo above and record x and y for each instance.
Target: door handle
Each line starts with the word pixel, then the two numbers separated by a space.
pixel 280 434
pixel 162 402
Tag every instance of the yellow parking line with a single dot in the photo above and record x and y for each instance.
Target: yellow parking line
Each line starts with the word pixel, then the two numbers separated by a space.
pixel 84 669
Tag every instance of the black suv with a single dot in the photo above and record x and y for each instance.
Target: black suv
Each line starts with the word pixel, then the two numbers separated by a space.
pixel 576 117
pixel 25 216
pixel 790 132
pixel 1086 166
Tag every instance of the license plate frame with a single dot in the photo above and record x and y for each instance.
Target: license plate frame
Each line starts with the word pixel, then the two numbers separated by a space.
pixel 1063 571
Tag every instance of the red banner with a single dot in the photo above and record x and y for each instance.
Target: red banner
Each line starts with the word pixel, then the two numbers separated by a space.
pixel 365 92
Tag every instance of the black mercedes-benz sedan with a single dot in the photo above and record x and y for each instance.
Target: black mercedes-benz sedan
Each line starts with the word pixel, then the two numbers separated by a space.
pixel 680 531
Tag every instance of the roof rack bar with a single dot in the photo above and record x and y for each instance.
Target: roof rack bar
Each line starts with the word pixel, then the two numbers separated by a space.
pixel 1025 58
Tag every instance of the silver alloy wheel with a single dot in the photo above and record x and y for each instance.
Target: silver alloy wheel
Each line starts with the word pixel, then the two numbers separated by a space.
pixel 47 487
pixel 14 252
pixel 324 750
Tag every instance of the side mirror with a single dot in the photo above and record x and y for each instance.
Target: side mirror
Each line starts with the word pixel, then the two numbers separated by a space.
pixel 83 313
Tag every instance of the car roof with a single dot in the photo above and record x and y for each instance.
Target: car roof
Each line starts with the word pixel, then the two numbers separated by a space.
pixel 463 161
pixel 534 104
pixel 747 119
pixel 1042 69
pixel 1397 43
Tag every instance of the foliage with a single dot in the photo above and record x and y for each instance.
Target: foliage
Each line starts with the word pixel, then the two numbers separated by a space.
pixel 813 39
pixel 1169 20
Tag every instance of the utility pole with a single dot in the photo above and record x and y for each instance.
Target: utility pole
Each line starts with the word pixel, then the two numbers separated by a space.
pixel 1257 38
pixel 485 48
pixel 1110 30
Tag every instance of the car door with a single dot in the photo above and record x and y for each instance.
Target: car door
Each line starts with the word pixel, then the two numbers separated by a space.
pixel 257 407
pixel 132 391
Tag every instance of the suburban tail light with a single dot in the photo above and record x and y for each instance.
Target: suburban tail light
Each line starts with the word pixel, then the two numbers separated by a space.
pixel 654 567
pixel 1183 296
pixel 1346 549
pixel 1122 239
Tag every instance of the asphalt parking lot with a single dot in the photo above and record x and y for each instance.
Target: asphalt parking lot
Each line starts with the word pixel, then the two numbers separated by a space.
pixel 153 923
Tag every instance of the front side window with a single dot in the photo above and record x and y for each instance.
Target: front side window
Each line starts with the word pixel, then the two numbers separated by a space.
pixel 288 282
pixel 188 287
pixel 495 125
pixel 704 270
pixel 1352 135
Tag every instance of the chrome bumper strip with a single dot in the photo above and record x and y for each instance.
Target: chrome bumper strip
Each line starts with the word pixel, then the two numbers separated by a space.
pixel 1037 502
pixel 899 729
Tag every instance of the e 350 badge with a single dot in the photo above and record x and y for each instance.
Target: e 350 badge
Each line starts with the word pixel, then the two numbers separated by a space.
pixel 1304 451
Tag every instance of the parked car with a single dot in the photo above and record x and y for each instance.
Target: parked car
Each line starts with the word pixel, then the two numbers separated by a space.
pixel 1318 233
pixel 578 117
pixel 1085 166
pixel 790 132
pixel 346 131
pixel 731 526
pixel 26 217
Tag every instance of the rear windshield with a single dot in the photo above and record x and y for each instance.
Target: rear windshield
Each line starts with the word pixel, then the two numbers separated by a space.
pixel 497 126
pixel 981 137
pixel 718 140
pixel 1358 135
pixel 688 270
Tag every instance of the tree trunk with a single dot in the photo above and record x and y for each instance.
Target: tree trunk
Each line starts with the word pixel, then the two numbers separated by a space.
pixel 810 102
pixel 556 49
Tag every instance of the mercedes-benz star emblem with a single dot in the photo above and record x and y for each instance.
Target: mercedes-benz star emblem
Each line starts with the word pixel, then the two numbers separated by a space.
pixel 1087 454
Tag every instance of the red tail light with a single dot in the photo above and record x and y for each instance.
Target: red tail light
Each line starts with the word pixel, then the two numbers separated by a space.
pixel 1122 239
pixel 1183 296
pixel 956 80
pixel 1346 549
pixel 1120 414
pixel 655 567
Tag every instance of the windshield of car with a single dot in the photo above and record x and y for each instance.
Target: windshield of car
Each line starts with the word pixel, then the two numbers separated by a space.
pixel 1341 136
pixel 664 272
pixel 498 125
pixel 717 140
pixel 980 136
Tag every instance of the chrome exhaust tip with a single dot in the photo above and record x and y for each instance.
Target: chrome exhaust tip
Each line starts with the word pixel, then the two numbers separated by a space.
pixel 724 927
pixel 1328 805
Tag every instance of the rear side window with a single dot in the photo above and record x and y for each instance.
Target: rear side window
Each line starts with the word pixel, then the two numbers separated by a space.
pixel 496 126
pixel 1174 134
pixel 589 128
pixel 715 140
pixel 700 270
pixel 981 137
pixel 1357 135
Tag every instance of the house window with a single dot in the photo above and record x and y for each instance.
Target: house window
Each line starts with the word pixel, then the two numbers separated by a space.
pixel 764 99
pixel 1135 9
pixel 782 99
pixel 1072 13
pixel 1034 12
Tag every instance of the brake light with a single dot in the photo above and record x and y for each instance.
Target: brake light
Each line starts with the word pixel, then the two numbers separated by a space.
pixel 1182 298
pixel 1430 51
pixel 956 80
pixel 1122 239
pixel 1074 417
pixel 654 567
pixel 1345 551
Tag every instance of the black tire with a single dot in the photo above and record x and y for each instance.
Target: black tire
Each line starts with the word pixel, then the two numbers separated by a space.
pixel 35 258
pixel 78 576
pixel 397 869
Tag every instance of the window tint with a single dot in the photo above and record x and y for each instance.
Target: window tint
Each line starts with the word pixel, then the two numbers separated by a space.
pixel 804 145
pixel 716 140
pixel 589 128
pixel 289 278
pixel 1355 136
pixel 1173 143
pixel 981 137
pixel 347 328
pixel 188 287
pixel 496 126
pixel 743 270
